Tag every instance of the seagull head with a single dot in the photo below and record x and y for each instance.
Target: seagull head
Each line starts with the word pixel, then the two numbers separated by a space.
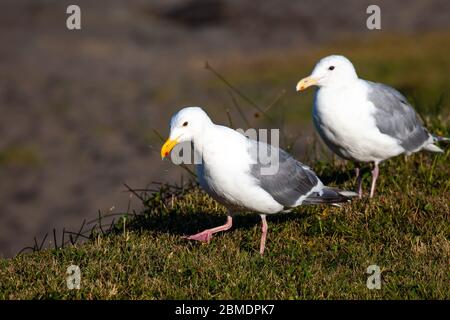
pixel 185 125
pixel 330 71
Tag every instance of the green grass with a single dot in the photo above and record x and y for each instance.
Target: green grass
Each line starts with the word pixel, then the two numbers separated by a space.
pixel 315 252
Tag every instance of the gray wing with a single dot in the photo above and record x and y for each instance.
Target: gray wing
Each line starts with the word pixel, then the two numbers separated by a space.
pixel 292 179
pixel 395 117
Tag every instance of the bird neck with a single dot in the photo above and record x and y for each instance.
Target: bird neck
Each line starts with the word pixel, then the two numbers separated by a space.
pixel 204 137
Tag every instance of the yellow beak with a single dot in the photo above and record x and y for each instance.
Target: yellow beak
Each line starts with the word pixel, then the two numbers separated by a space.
pixel 305 83
pixel 167 147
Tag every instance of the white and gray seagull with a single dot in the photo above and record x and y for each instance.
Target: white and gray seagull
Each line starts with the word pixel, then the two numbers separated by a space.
pixel 231 173
pixel 363 121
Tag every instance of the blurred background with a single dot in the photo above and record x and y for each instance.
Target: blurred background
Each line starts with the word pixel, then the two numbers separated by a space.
pixel 79 109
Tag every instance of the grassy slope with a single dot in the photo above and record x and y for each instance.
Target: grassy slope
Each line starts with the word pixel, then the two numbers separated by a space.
pixel 315 252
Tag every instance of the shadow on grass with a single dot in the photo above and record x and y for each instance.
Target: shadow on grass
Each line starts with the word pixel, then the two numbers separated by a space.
pixel 182 224
pixel 344 175
pixel 338 178
pixel 173 211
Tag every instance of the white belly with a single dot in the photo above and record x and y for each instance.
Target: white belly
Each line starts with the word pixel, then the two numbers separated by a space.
pixel 345 124
pixel 225 176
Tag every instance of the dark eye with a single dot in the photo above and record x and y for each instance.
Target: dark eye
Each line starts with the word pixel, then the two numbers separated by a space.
pixel 185 124
pixel 331 68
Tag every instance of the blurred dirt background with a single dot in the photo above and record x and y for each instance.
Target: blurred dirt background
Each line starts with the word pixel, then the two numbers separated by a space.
pixel 78 108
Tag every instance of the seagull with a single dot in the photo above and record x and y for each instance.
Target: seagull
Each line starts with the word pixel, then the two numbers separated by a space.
pixel 232 173
pixel 364 121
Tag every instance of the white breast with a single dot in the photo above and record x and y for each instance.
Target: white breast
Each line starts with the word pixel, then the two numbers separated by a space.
pixel 343 118
pixel 225 173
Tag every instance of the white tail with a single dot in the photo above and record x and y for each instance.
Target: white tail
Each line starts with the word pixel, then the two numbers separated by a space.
pixel 433 148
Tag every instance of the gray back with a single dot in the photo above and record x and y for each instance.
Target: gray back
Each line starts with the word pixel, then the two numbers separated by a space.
pixel 292 180
pixel 396 117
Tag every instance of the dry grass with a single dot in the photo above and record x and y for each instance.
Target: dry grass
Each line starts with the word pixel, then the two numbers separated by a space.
pixel 315 252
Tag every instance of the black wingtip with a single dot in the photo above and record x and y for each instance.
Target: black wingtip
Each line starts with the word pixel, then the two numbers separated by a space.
pixel 330 196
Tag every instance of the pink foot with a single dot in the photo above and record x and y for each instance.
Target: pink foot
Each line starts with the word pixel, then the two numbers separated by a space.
pixel 204 236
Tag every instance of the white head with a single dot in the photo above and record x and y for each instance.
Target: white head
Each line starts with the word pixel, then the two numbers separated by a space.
pixel 330 71
pixel 185 125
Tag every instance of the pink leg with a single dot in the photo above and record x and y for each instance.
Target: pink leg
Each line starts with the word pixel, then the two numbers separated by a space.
pixel 359 181
pixel 206 235
pixel 375 172
pixel 264 234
